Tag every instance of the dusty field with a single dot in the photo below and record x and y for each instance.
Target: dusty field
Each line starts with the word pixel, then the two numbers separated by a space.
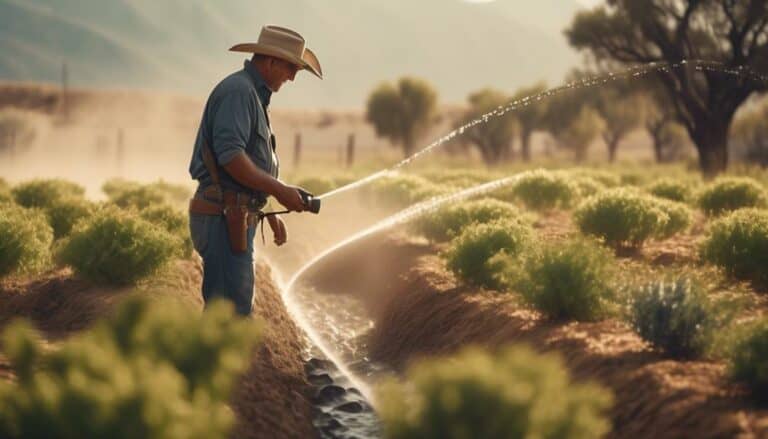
pixel 421 310
pixel 272 399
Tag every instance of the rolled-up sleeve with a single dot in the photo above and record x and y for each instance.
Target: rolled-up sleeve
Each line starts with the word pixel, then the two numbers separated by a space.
pixel 232 125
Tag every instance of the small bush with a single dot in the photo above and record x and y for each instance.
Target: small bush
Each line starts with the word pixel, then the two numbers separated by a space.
pixel 174 222
pixel 64 213
pixel 514 394
pixel 117 247
pixel 460 179
pixel 739 244
pixel 569 280
pixel 25 240
pixel 622 217
pixel 749 359
pixel 450 221
pixel 679 218
pixel 138 198
pixel 676 317
pixel 730 193
pixel 317 185
pixel 605 178
pixel 586 186
pixel 149 371
pixel 542 190
pixel 401 190
pixel 471 256
pixel 671 189
pixel 43 193
pixel 130 194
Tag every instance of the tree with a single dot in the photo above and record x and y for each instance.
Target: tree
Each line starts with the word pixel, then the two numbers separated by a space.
pixel 581 131
pixel 494 137
pixel 530 117
pixel 622 112
pixel 16 130
pixel 402 112
pixel 732 32
pixel 750 135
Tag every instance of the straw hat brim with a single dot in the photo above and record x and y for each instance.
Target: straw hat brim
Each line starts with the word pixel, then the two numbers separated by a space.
pixel 308 61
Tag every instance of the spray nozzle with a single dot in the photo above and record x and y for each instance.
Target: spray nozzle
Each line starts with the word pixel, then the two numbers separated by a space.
pixel 312 203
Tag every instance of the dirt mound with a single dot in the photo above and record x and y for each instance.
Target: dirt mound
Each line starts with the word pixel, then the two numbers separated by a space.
pixel 423 311
pixel 272 399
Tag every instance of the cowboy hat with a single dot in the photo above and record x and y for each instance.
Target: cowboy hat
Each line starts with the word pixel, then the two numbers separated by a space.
pixel 285 44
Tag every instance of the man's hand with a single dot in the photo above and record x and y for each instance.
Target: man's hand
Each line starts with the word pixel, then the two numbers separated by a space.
pixel 290 197
pixel 278 229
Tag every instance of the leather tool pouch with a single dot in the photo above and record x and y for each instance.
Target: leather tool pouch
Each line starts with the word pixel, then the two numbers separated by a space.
pixel 237 227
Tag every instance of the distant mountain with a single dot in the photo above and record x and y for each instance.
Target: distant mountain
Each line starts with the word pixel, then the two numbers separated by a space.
pixel 181 44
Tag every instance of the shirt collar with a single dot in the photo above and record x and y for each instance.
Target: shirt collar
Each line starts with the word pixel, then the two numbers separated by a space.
pixel 265 94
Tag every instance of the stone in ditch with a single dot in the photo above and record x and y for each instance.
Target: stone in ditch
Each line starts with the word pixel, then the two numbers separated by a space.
pixel 322 379
pixel 316 363
pixel 329 393
pixel 350 407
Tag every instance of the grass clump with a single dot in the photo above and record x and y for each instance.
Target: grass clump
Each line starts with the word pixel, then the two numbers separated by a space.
pixel 401 190
pixel 130 194
pixel 172 221
pixel 448 222
pixel 25 240
pixel 738 243
pixel 44 193
pixel 623 218
pixel 748 359
pixel 473 255
pixel 544 190
pixel 117 247
pixel 514 394
pixel 671 189
pixel 64 213
pixel 148 371
pixel 679 218
pixel 564 281
pixel 677 317
pixel 726 194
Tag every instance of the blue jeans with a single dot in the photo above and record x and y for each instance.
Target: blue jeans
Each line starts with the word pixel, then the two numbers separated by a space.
pixel 226 275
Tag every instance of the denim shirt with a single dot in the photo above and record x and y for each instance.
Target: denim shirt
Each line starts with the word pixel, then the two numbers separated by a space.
pixel 235 121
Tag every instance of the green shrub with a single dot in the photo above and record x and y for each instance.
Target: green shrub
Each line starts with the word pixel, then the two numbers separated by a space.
pixel 443 224
pixel 730 193
pixel 130 194
pixel 25 240
pixel 749 359
pixel 738 243
pixel 586 186
pixel 139 198
pixel 570 280
pixel 622 217
pixel 542 190
pixel 174 222
pixel 64 213
pixel 149 371
pixel 471 256
pixel 605 178
pixel 317 185
pixel 676 317
pixel 43 193
pixel 401 190
pixel 460 179
pixel 514 394
pixel 671 189
pixel 117 247
pixel 679 218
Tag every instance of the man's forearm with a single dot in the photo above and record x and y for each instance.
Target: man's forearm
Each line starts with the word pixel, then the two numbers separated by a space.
pixel 245 172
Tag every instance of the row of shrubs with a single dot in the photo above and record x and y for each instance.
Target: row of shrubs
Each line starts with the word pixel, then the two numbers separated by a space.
pixel 150 370
pixel 492 244
pixel 121 241
pixel 564 189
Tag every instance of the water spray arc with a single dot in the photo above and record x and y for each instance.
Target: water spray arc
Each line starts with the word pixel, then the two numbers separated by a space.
pixel 628 74
pixel 399 218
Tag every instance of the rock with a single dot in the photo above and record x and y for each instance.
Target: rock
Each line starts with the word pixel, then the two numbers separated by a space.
pixel 317 363
pixel 350 407
pixel 329 393
pixel 322 379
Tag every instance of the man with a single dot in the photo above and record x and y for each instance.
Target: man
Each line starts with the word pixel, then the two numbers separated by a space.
pixel 235 163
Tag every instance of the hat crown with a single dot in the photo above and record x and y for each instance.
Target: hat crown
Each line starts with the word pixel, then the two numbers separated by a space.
pixel 282 38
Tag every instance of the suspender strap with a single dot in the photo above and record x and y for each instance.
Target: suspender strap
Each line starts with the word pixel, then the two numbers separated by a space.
pixel 213 169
